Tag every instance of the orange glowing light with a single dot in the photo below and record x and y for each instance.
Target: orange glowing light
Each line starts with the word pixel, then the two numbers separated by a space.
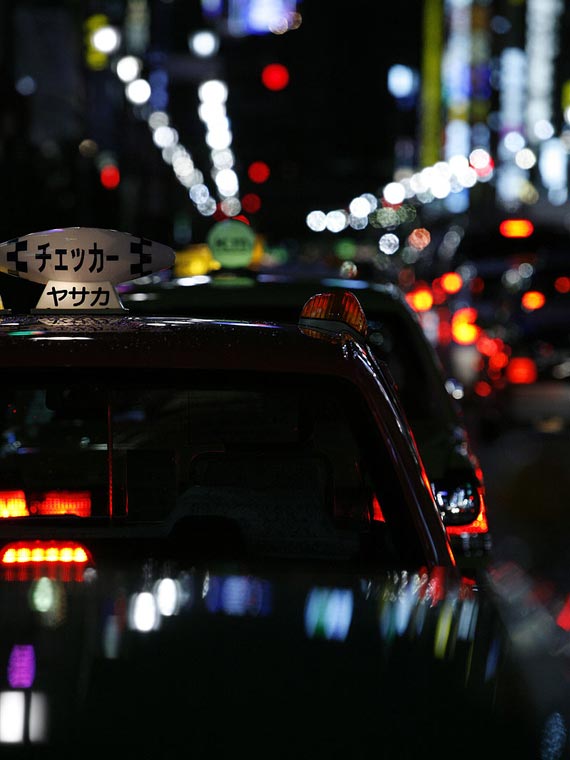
pixel 420 299
pixel 23 552
pixel 521 371
pixel 13 504
pixel 533 300
pixel 451 282
pixel 336 307
pixel 516 228
pixel 463 328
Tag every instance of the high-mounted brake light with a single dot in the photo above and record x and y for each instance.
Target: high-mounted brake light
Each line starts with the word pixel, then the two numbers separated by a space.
pixel 16 504
pixel 516 228
pixel 334 312
pixel 80 266
pixel 65 560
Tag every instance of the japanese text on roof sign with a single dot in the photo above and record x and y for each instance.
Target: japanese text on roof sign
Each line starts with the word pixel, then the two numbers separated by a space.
pixel 89 264
pixel 78 297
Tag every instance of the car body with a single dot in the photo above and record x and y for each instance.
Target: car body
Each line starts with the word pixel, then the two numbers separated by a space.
pixel 219 536
pixel 396 337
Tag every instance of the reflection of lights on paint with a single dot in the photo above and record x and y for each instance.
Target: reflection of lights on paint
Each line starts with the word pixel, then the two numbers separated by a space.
pixel 167 596
pixel 12 717
pixel 143 612
pixel 21 666
pixel 328 613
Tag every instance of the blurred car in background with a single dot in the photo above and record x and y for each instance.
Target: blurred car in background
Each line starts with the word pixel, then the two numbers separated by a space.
pixel 396 337
pixel 218 536
pixel 514 308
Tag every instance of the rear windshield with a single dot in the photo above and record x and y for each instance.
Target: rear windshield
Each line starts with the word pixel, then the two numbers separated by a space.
pixel 291 466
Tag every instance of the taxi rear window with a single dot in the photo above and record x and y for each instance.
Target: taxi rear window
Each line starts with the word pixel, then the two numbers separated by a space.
pixel 294 463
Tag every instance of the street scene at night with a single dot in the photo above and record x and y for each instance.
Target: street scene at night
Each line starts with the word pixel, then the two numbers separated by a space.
pixel 285 379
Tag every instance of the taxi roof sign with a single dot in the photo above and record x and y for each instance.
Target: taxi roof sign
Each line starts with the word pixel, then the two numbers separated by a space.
pixel 232 243
pixel 80 266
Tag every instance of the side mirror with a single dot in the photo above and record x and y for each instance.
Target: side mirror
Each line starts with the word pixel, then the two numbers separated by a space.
pixel 457 498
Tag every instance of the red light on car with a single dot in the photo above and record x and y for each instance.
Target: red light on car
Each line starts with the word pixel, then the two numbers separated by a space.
pixel 516 228
pixel 521 371
pixel 25 560
pixel 24 552
pixel 477 285
pixel 482 388
pixel 420 299
pixel 62 503
pixel 533 300
pixel 498 361
pixel 451 282
pixel 479 525
pixel 463 328
pixel 341 307
pixel 377 514
pixel 13 504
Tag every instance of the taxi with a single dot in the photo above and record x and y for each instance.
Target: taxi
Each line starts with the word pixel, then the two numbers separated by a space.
pixel 233 285
pixel 219 536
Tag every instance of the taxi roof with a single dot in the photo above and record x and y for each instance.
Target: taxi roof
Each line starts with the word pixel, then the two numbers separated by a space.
pixel 184 342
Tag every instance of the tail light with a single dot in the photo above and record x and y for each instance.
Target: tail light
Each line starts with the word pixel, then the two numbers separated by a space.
pixel 521 370
pixel 27 560
pixel 15 503
pixel 516 228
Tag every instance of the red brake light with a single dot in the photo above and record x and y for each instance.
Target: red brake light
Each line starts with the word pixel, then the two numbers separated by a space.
pixel 533 300
pixel 25 560
pixel 516 228
pixel 342 308
pixel 15 504
pixel 451 282
pixel 521 370
pixel 420 299
pixel 463 327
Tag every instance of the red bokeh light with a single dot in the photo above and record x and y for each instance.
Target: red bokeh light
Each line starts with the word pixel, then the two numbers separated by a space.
pixel 251 202
pixel 258 172
pixel 110 176
pixel 275 76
